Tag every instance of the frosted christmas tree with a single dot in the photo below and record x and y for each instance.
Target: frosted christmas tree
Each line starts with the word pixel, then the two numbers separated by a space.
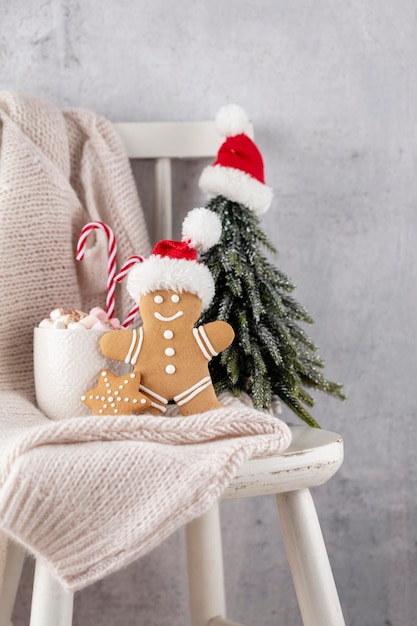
pixel 272 354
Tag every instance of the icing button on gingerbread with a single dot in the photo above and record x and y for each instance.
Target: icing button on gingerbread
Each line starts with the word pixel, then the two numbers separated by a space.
pixel 170 369
pixel 168 334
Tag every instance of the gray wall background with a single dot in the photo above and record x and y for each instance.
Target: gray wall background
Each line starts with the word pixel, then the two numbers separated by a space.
pixel 332 89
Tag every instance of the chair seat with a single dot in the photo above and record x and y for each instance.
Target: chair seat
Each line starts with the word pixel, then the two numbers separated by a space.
pixel 312 458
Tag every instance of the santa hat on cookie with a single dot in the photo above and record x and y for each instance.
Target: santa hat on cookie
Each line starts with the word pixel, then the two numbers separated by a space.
pixel 238 171
pixel 174 264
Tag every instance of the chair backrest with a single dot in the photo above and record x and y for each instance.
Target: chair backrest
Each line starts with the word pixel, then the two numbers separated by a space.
pixel 164 141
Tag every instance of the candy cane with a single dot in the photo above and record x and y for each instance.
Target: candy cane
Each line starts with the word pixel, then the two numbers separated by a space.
pixel 124 270
pixel 120 276
pixel 111 264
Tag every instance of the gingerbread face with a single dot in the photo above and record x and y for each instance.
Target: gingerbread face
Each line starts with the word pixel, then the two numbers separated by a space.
pixel 170 307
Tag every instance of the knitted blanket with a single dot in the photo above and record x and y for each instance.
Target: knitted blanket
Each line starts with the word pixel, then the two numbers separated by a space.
pixel 89 495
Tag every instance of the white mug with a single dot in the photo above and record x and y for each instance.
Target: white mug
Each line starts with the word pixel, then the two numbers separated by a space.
pixel 67 363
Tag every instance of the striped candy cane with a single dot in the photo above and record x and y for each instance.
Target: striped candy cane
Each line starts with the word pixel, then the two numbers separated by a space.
pixel 121 276
pixel 111 264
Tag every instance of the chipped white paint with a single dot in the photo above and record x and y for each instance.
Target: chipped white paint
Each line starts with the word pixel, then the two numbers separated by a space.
pixel 313 457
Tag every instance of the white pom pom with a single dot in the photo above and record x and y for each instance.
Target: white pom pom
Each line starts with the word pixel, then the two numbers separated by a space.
pixel 202 228
pixel 232 120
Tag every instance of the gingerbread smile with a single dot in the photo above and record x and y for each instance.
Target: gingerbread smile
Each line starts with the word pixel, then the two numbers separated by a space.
pixel 162 318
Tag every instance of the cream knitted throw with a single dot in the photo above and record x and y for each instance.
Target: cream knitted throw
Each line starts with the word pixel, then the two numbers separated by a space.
pixel 89 495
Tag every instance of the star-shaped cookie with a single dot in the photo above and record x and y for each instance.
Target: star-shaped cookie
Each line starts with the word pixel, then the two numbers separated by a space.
pixel 116 395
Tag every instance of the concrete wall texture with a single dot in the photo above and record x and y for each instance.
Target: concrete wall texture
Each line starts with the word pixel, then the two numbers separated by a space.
pixel 332 89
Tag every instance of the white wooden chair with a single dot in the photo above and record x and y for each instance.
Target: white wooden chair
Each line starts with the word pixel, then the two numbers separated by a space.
pixel 313 457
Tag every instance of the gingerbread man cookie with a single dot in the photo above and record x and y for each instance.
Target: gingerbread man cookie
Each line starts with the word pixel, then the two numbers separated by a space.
pixel 169 353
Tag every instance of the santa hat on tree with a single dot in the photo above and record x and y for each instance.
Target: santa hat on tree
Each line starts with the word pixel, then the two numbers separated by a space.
pixel 238 172
pixel 174 264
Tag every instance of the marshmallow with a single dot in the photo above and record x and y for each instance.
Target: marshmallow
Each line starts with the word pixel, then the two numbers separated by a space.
pixel 46 323
pixel 75 319
pixel 98 312
pixel 100 326
pixel 56 313
pixel 88 321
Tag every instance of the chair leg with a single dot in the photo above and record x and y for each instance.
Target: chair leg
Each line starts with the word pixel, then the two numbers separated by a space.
pixel 14 563
pixel 205 568
pixel 51 603
pixel 309 563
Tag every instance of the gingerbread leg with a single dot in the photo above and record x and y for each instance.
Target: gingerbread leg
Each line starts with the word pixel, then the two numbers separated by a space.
pixel 157 403
pixel 153 409
pixel 203 400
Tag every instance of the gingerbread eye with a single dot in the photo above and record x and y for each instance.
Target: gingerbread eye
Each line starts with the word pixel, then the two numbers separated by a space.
pixel 158 299
pixel 175 297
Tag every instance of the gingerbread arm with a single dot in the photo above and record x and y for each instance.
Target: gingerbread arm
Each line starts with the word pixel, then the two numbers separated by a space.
pixel 219 334
pixel 116 344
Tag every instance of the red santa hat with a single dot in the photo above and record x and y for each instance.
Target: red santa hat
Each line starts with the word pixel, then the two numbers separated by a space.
pixel 174 264
pixel 238 171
